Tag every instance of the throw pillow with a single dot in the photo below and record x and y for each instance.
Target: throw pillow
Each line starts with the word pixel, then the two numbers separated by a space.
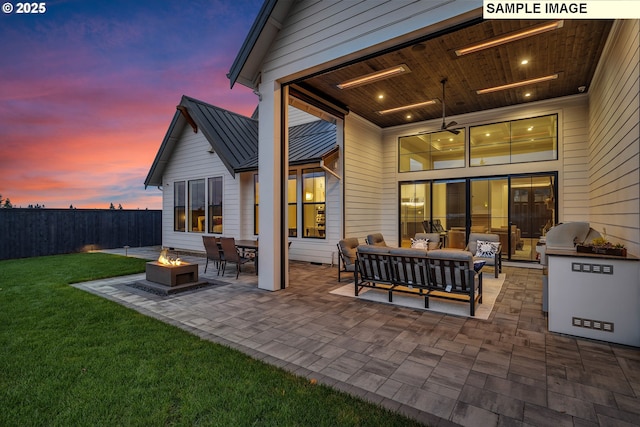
pixel 486 249
pixel 420 243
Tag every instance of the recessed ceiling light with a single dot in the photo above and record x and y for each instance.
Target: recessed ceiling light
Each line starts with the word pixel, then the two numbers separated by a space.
pixel 524 62
pixel 487 134
pixel 518 84
pixel 530 128
pixel 374 77
pixel 527 94
pixel 408 116
pixel 511 37
pixel 406 107
pixel 381 96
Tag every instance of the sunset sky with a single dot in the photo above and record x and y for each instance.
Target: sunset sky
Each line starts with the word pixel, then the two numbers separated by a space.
pixel 89 87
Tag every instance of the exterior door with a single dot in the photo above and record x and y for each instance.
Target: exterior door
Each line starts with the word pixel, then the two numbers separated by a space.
pixel 532 212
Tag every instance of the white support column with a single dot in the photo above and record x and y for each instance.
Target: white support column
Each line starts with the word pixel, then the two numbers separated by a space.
pixel 271 275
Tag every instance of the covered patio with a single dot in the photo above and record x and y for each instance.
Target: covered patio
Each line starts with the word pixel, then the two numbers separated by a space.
pixel 438 369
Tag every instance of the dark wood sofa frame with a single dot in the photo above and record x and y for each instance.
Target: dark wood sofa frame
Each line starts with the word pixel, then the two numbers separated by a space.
pixel 438 274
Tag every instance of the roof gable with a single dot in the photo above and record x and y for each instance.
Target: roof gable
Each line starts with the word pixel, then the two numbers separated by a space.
pixel 234 138
pixel 247 65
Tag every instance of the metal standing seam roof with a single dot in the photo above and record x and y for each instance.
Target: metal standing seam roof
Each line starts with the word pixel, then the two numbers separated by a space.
pixel 308 143
pixel 234 138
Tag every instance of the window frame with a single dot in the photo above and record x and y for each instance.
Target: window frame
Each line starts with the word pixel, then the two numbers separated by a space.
pixel 319 206
pixel 179 210
pixel 211 208
pixel 510 143
pixel 429 152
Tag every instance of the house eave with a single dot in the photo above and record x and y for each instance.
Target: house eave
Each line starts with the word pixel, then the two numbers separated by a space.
pixel 248 63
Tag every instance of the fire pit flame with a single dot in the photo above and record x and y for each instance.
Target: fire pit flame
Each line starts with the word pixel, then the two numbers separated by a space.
pixel 165 259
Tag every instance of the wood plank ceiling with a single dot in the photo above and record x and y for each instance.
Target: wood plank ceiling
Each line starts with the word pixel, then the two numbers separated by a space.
pixel 572 52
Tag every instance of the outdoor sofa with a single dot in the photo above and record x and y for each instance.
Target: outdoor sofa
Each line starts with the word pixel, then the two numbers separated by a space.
pixel 438 273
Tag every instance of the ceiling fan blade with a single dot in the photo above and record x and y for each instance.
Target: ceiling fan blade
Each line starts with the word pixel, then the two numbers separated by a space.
pixel 453 131
pixel 453 123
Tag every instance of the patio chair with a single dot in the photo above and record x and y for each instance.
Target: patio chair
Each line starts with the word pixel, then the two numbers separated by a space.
pixel 212 247
pixel 489 251
pixel 376 239
pixel 436 226
pixel 231 254
pixel 347 256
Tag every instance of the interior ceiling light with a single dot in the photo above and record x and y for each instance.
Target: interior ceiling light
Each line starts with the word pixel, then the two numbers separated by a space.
pixel 517 84
pixel 406 107
pixel 539 29
pixel 374 77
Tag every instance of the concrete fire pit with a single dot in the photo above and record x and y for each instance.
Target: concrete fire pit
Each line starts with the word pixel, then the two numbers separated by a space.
pixel 168 279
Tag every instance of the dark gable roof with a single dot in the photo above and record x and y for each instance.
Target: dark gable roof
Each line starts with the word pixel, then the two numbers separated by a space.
pixel 308 143
pixel 234 138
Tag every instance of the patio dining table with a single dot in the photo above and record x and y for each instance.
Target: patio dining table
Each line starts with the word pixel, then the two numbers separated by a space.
pixel 251 245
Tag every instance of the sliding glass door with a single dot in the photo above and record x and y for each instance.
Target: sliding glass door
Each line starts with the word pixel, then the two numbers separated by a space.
pixel 415 207
pixel 532 212
pixel 518 208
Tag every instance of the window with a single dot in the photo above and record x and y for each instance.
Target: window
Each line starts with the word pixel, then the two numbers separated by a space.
pixel 215 205
pixel 439 150
pixel 196 206
pixel 178 206
pixel 517 141
pixel 313 203
pixel 292 198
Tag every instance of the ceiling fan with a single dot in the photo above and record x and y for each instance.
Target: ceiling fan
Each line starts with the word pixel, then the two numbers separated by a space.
pixel 446 126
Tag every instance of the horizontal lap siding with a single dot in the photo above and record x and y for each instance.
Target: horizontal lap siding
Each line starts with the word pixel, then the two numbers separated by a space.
pixel 191 160
pixel 614 145
pixel 317 32
pixel 363 178
pixel 574 177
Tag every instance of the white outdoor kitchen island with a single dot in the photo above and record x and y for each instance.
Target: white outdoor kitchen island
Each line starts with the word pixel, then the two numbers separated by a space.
pixel 594 296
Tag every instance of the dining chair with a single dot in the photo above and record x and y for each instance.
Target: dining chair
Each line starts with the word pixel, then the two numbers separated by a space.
pixel 231 254
pixel 214 253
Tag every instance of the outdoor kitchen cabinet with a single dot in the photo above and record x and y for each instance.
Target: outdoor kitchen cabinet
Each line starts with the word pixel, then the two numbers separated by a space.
pixel 594 296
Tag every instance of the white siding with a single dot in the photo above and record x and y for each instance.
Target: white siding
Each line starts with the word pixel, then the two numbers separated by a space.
pixel 363 179
pixel 191 160
pixel 614 146
pixel 573 178
pixel 320 32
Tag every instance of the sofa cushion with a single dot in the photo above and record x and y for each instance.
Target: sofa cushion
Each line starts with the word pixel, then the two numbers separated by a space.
pixel 433 238
pixel 420 243
pixel 348 248
pixel 409 251
pixel 486 249
pixel 371 249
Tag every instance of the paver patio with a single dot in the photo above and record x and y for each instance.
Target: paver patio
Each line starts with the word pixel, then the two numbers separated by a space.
pixel 439 369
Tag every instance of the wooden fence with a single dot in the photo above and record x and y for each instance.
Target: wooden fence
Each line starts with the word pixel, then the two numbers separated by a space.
pixel 35 232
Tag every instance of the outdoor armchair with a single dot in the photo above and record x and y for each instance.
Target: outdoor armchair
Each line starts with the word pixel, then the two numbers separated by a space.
pixel 489 249
pixel 347 255
pixel 376 239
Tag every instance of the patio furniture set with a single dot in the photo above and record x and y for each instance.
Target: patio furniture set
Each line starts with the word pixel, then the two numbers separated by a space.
pixel 222 250
pixel 424 269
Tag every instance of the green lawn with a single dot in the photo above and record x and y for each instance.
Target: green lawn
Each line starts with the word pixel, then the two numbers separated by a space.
pixel 70 358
